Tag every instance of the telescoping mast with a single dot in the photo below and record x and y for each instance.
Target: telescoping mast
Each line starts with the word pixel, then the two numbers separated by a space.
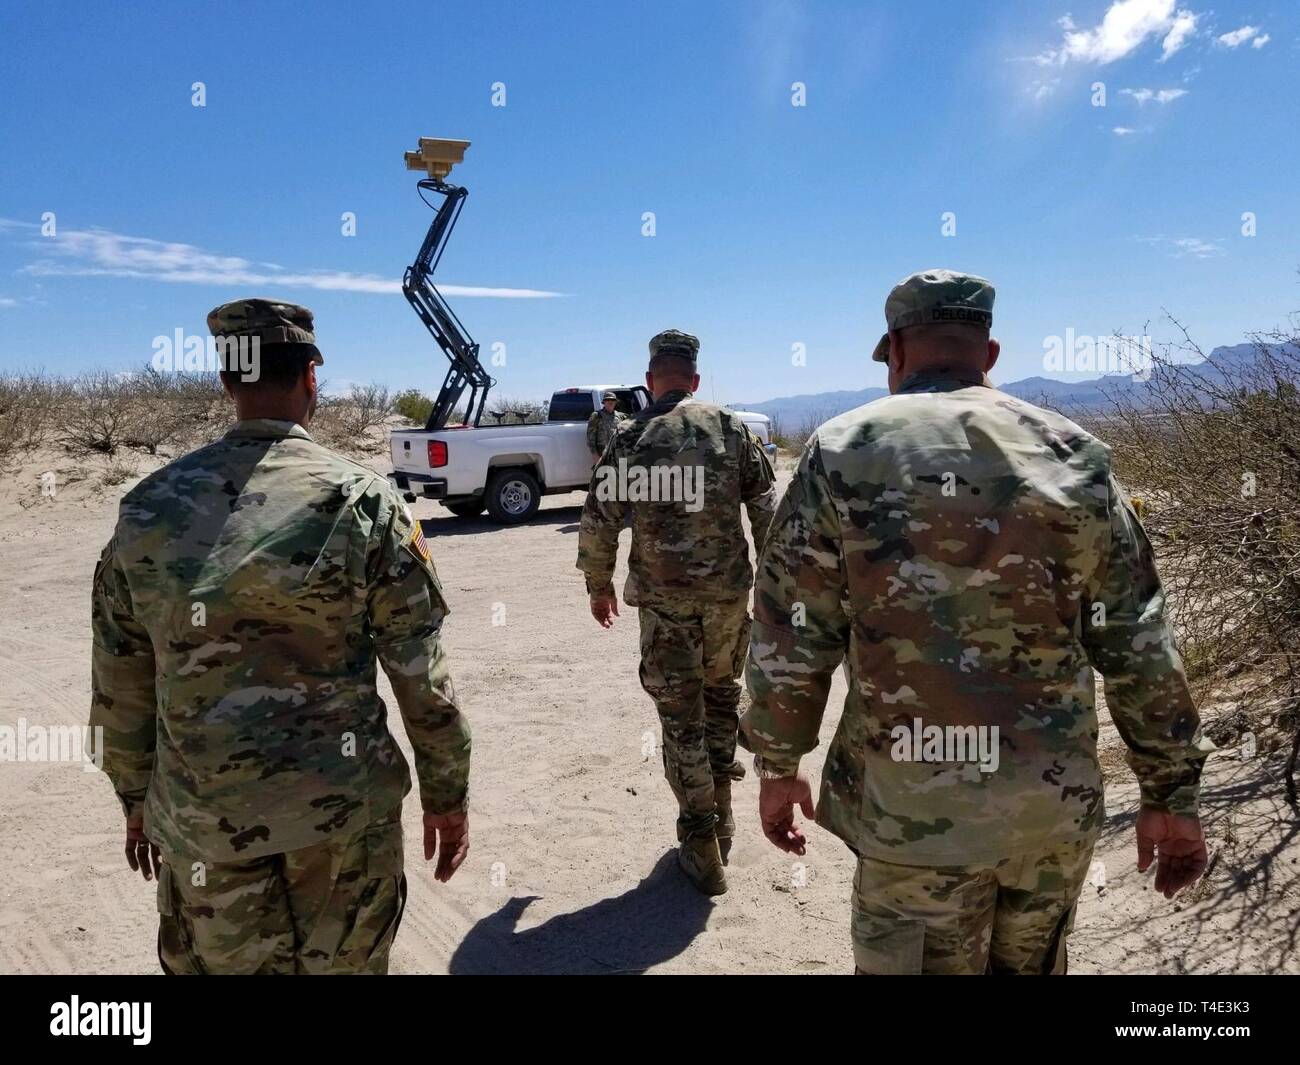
pixel 436 158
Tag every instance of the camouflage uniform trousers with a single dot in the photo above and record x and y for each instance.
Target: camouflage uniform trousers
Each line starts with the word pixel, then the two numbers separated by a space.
pixel 326 909
pixel 691 654
pixel 1006 917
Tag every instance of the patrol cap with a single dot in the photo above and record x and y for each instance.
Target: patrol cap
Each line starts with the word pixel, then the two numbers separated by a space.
pixel 674 342
pixel 607 396
pixel 934 297
pixel 270 321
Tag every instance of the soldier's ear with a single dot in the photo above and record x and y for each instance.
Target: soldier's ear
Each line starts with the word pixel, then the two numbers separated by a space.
pixel 994 349
pixel 695 382
pixel 896 351
pixel 650 382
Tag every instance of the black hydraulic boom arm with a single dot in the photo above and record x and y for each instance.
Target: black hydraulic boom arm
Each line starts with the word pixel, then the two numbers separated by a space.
pixel 417 286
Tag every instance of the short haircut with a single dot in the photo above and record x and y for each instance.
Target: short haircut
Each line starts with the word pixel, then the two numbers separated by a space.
pixel 279 367
pixel 947 338
pixel 672 366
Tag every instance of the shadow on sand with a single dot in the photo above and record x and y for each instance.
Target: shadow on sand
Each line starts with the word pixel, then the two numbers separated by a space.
pixel 648 925
pixel 447 524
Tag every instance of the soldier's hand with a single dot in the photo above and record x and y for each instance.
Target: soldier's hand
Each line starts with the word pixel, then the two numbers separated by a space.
pixel 141 855
pixel 604 608
pixel 776 802
pixel 447 836
pixel 1179 842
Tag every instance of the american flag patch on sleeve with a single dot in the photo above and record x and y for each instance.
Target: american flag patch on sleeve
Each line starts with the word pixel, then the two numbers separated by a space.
pixel 417 545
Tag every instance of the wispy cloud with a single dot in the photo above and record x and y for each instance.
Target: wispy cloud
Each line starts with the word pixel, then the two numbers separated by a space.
pixel 101 253
pixel 1160 96
pixel 1123 131
pixel 1236 38
pixel 1126 26
pixel 1181 247
pixel 1183 28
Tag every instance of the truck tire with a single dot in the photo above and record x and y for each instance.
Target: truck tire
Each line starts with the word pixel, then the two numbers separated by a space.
pixel 466 508
pixel 513 496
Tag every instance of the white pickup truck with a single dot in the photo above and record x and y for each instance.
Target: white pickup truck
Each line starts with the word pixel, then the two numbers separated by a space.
pixel 508 468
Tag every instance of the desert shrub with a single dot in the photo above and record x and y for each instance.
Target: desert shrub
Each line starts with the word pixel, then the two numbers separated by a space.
pixel 810 423
pixel 363 408
pixel 145 410
pixel 95 413
pixel 1213 452
pixel 177 411
pixel 28 403
pixel 348 422
pixel 117 472
pixel 414 406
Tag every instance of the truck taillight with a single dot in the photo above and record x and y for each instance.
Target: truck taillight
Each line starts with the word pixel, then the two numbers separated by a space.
pixel 437 454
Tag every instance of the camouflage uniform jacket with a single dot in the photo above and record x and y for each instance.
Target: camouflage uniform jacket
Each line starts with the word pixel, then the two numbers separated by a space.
pixel 692 545
pixel 601 427
pixel 237 615
pixel 974 559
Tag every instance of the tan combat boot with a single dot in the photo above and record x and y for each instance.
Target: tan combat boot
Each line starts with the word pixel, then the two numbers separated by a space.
pixel 726 828
pixel 701 861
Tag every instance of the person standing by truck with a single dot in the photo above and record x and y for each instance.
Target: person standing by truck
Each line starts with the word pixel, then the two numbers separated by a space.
pixel 602 425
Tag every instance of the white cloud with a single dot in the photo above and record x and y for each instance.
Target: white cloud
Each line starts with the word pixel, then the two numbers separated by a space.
pixel 1123 28
pixel 8 301
pixel 1123 131
pixel 101 253
pixel 1238 37
pixel 1188 246
pixel 1044 88
pixel 1260 41
pixel 1160 96
pixel 1201 249
pixel 1183 27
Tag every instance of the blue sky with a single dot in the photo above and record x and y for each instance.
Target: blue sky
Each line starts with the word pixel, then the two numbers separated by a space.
pixel 775 225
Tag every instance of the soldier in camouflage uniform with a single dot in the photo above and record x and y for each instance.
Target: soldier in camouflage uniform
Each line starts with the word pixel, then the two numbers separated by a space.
pixel 602 425
pixel 974 559
pixel 683 469
pixel 238 614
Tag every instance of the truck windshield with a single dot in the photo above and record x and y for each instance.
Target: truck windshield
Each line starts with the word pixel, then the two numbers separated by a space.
pixel 570 407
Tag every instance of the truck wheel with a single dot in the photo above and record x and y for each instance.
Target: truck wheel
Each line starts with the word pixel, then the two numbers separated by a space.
pixel 471 508
pixel 513 496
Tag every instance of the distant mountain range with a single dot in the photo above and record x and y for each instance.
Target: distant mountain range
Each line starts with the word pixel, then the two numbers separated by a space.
pixel 795 412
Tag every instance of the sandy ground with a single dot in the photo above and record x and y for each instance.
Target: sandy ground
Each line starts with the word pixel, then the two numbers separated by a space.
pixel 571 866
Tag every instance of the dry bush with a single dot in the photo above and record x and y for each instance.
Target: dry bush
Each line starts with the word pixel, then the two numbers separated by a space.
pixel 118 472
pixel 146 410
pixel 348 422
pixel 95 414
pixel 176 411
pixel 1214 453
pixel 28 402
pixel 365 407
pixel 207 411
pixel 811 422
